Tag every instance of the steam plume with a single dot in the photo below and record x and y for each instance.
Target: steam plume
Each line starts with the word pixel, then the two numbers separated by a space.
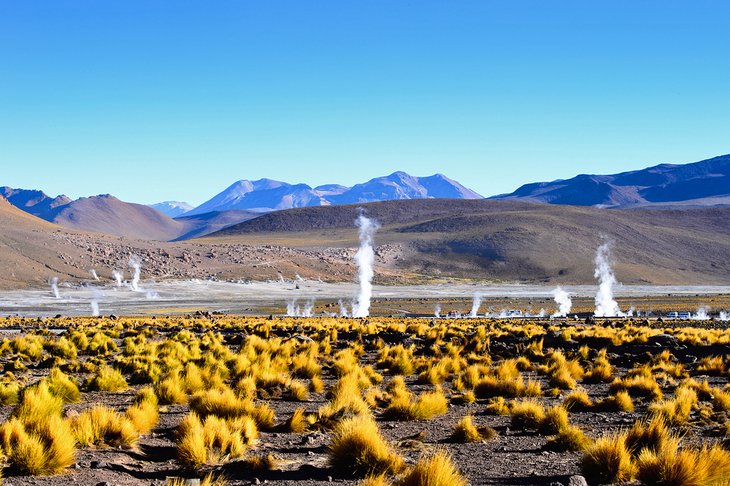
pixel 118 276
pixel 562 299
pixel 606 306
pixel 701 314
pixel 93 274
pixel 365 259
pixel 724 316
pixel 135 263
pixel 294 310
pixel 476 303
pixel 54 287
pixel 94 308
pixel 343 309
pixel 437 311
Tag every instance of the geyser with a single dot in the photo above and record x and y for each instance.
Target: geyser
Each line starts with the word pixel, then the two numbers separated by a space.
pixel 365 259
pixel 93 274
pixel 437 311
pixel 295 310
pixel 475 304
pixel 118 276
pixel 135 263
pixel 562 299
pixel 606 306
pixel 53 282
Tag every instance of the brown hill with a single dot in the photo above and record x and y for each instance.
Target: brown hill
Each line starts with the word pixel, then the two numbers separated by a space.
pixel 29 253
pixel 513 240
pixel 107 214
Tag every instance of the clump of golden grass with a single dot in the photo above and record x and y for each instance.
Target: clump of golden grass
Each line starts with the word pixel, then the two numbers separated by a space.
pixel 651 435
pixel 676 410
pixel 672 465
pixel 720 400
pixel 224 403
pixel 527 414
pixel 297 423
pixel 104 426
pixel 712 365
pixel 397 359
pixel 62 386
pixel 562 373
pixel 601 371
pixel 143 413
pixel 44 449
pixel 379 480
pixel 358 448
pixel 640 385
pixel 497 406
pixel 555 419
pixel 608 460
pixel 568 438
pixel 466 431
pixel 107 379
pixel 208 480
pixel 9 393
pixel 213 440
pixel 437 469
pixel 426 406
pixel 618 402
pixel 578 400
pixel 298 391
pixel 170 390
pixel 37 404
pixel 346 398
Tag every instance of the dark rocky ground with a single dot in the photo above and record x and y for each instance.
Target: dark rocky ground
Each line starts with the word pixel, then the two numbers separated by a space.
pixel 512 458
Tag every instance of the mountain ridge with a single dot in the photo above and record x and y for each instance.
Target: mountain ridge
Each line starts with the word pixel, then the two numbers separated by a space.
pixel 264 195
pixel 706 182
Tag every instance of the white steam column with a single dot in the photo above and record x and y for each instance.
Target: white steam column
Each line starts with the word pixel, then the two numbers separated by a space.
pixel 562 298
pixel 135 263
pixel 606 306
pixel 365 259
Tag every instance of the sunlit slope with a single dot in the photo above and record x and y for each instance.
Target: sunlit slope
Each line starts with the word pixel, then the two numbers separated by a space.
pixel 514 241
pixel 31 249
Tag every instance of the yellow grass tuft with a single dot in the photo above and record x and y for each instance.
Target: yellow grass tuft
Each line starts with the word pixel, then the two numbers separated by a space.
pixel 466 431
pixel 437 469
pixel 568 438
pixel 358 448
pixel 608 460
pixel 527 414
pixel 107 379
pixel 556 419
pixel 101 426
pixel 62 386
pixel 297 423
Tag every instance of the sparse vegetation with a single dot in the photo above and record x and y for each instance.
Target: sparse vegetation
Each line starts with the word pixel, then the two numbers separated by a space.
pixel 224 388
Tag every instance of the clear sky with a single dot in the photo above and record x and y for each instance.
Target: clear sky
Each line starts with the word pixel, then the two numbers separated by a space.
pixel 156 100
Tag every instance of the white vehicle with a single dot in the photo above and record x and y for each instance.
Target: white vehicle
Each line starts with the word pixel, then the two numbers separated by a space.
pixel 513 313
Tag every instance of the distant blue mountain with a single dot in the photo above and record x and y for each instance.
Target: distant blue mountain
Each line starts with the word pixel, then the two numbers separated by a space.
pixel 173 209
pixel 704 183
pixel 268 195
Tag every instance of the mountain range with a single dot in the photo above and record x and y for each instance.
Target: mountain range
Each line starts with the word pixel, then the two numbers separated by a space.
pixel 243 200
pixel 668 224
pixel 700 184
pixel 704 183
pixel 266 195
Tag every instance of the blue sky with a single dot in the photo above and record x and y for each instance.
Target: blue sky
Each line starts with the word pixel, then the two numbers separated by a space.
pixel 155 100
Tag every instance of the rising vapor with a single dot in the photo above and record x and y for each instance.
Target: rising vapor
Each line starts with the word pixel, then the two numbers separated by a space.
pixel 562 299
pixel 135 263
pixel 606 306
pixel 365 259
